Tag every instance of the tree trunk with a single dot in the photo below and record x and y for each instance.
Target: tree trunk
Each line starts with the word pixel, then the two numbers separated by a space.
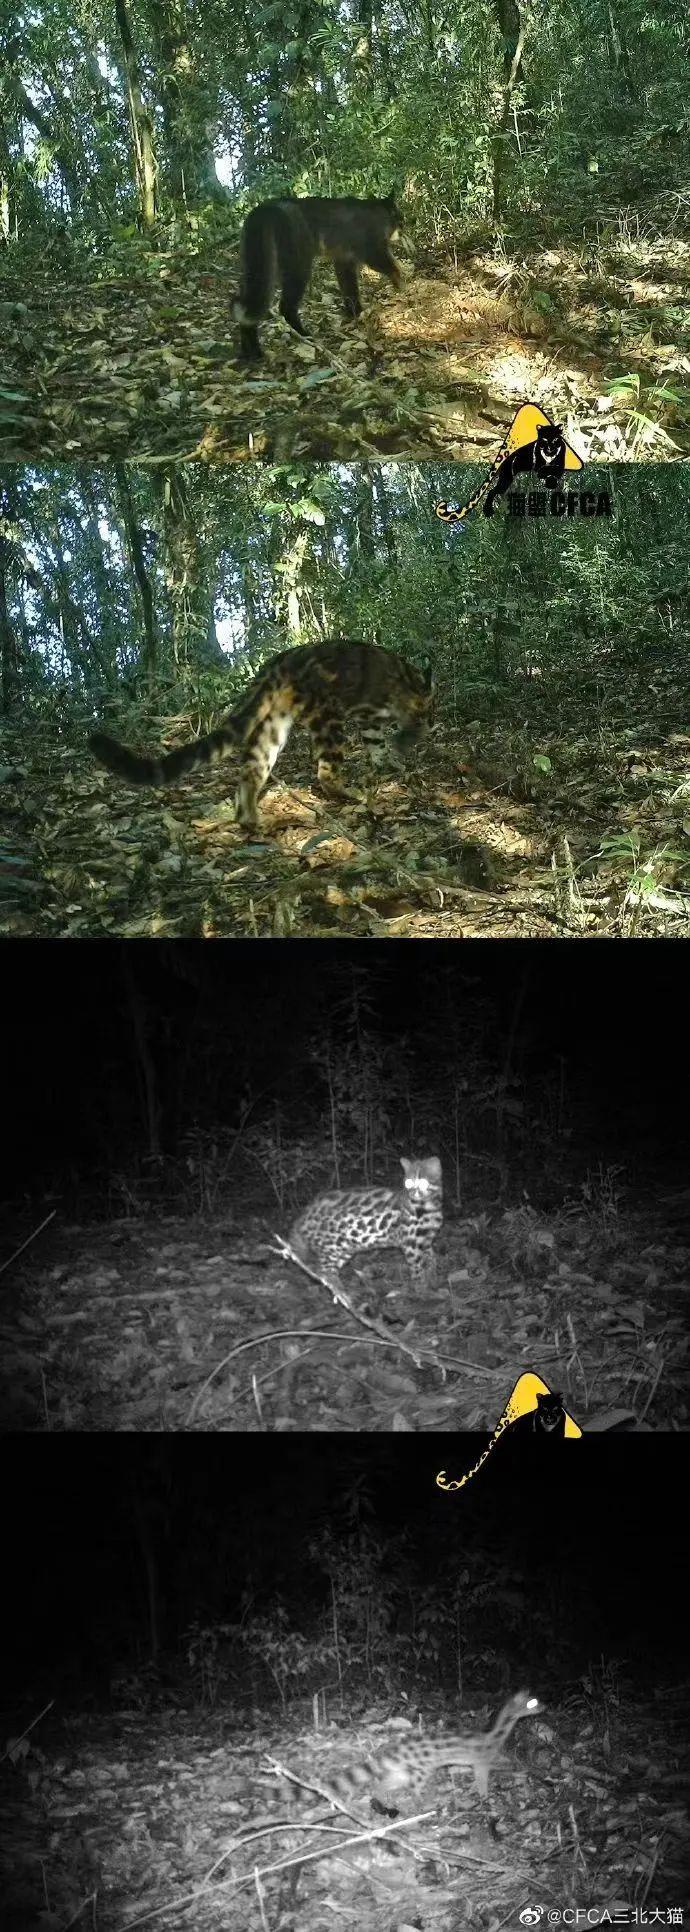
pixel 140 121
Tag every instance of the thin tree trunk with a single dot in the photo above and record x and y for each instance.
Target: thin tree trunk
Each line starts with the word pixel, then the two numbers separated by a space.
pixel 136 551
pixel 140 121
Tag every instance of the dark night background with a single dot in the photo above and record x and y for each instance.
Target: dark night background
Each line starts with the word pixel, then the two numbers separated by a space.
pixel 176 1607
pixel 543 1058
pixel 578 1565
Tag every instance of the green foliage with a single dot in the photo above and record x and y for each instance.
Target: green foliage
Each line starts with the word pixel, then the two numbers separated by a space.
pixel 315 99
pixel 293 554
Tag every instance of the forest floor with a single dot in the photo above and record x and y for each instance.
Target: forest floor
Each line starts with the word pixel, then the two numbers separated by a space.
pixel 492 832
pixel 150 1322
pixel 593 327
pixel 157 1811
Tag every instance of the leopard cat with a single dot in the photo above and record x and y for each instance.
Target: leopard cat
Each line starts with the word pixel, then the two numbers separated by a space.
pixel 408 1764
pixel 321 686
pixel 336 1226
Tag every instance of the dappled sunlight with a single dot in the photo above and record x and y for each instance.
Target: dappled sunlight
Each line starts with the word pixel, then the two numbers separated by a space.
pixel 155 370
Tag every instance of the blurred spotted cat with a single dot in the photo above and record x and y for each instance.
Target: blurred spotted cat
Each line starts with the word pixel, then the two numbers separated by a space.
pixel 408 1763
pixel 321 686
pixel 338 1225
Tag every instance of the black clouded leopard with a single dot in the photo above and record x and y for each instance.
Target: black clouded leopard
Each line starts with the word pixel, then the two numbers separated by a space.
pixel 321 686
pixel 281 239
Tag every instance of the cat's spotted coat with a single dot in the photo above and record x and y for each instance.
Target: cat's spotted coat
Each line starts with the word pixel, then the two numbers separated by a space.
pixel 321 686
pixel 407 1764
pixel 336 1226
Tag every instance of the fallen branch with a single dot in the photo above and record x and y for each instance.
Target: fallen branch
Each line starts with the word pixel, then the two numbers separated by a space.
pixel 30 1237
pixel 338 1294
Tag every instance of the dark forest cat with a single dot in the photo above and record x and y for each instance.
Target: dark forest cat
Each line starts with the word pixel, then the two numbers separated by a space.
pixel 281 239
pixel 321 686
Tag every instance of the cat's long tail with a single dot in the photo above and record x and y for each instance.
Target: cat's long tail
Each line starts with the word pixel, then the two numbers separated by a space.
pixel 259 263
pixel 139 770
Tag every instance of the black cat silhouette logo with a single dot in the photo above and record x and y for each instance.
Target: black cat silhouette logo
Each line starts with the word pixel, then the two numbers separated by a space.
pixel 533 1411
pixel 534 446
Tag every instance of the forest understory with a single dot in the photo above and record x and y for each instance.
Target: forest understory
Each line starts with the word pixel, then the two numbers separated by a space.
pixel 483 837
pixel 119 1783
pixel 152 1323
pixel 145 364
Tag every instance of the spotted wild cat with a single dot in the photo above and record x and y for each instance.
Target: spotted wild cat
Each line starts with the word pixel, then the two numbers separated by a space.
pixel 408 1763
pixel 321 686
pixel 336 1226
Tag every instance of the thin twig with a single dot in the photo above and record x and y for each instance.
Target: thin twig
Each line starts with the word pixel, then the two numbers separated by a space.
pixel 282 1334
pixel 338 1294
pixel 30 1237
pixel 282 1864
pixel 35 1720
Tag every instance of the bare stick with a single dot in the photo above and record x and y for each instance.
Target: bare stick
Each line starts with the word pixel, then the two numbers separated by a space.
pixel 12 1746
pixel 339 1295
pixel 30 1237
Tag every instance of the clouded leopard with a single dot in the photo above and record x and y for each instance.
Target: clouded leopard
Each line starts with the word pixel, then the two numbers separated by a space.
pixel 321 686
pixel 338 1225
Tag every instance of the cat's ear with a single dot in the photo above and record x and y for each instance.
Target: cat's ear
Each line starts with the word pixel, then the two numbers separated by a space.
pixel 428 674
pixel 406 1166
pixel 433 1167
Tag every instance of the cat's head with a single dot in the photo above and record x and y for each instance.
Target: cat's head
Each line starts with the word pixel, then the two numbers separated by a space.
pixel 549 1410
pixel 422 1176
pixel 550 438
